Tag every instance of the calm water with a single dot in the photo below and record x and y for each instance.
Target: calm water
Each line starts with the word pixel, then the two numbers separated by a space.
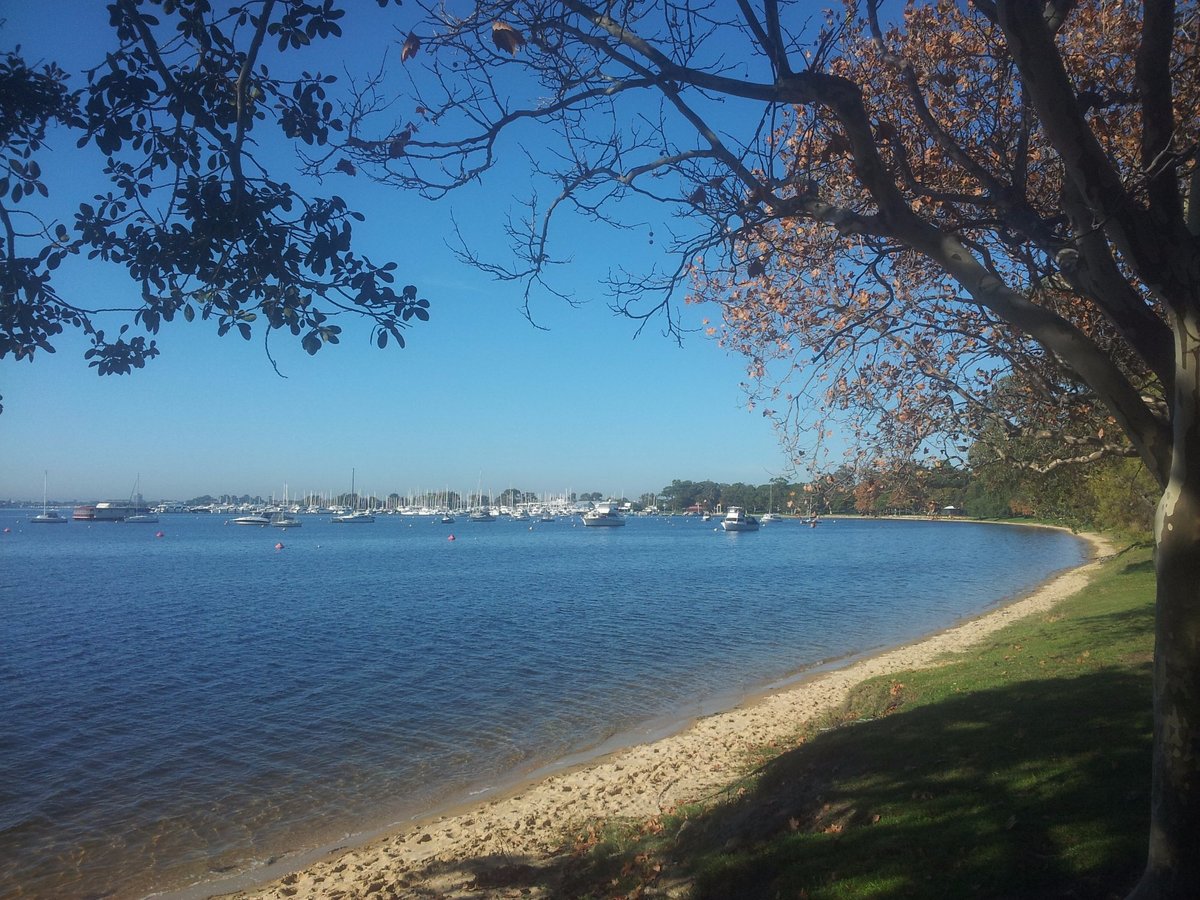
pixel 179 707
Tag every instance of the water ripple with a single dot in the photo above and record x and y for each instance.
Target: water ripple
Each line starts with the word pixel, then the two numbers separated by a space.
pixel 186 706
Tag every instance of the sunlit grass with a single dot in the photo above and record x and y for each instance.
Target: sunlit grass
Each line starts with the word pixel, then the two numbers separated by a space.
pixel 1019 769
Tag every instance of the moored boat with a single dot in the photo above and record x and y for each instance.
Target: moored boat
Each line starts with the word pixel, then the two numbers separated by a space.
pixel 47 516
pixel 604 514
pixel 737 519
pixel 358 517
pixel 252 519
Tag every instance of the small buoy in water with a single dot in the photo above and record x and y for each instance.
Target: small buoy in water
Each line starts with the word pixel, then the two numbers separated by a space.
pixel 450 538
pixel 279 545
pixel 8 531
pixel 159 534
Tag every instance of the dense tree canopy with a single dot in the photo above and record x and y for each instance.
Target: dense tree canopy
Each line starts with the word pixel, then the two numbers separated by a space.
pixel 183 117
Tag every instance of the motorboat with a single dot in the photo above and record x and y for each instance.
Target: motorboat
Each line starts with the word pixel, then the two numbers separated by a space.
pixel 768 518
pixel 737 519
pixel 603 514
pixel 252 519
pixel 358 517
pixel 141 519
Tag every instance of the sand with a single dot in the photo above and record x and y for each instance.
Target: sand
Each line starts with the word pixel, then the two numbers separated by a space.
pixel 502 847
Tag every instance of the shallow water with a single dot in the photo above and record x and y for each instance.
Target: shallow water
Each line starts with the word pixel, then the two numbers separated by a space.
pixel 175 708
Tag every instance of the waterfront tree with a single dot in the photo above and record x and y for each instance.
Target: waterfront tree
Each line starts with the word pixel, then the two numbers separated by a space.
pixel 183 124
pixel 891 216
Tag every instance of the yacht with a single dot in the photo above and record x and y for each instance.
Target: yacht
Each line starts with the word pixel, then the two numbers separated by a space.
pixel 604 514
pixel 482 514
pixel 252 519
pixel 358 517
pixel 737 519
pixel 284 519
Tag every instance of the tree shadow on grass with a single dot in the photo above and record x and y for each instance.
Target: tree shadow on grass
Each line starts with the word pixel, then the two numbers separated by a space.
pixel 1036 789
pixel 1031 790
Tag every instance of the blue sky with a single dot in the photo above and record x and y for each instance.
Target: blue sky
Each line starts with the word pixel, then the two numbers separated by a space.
pixel 478 393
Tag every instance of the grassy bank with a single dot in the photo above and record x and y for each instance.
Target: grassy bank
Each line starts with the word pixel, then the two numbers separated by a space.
pixel 1020 769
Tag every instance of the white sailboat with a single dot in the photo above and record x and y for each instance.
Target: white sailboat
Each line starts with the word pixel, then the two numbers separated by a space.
pixel 48 516
pixel 139 514
pixel 355 516
pixel 283 518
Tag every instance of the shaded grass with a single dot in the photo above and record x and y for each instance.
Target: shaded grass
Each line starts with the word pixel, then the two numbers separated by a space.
pixel 1019 769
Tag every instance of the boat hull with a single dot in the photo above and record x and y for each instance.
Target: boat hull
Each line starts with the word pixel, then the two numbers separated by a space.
pixel 740 526
pixel 603 521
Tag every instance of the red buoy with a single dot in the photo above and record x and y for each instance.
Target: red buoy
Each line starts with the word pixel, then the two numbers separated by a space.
pixel 450 538
pixel 279 545
pixel 159 534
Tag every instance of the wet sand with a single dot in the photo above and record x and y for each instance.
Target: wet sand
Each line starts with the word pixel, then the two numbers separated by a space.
pixel 498 847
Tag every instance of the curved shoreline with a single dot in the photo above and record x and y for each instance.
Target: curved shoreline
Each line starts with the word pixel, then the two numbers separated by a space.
pixel 680 762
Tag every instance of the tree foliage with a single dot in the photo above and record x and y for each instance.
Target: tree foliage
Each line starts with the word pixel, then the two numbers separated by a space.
pixel 893 217
pixel 185 119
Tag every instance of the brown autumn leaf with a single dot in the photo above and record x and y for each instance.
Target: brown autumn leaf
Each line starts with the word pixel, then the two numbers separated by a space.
pixel 507 38
pixel 409 49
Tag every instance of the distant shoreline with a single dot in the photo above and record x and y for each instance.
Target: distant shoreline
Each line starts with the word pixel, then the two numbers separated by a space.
pixel 634 776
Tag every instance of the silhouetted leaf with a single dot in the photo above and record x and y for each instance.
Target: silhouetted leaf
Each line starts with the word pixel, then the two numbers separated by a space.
pixel 411 45
pixel 507 38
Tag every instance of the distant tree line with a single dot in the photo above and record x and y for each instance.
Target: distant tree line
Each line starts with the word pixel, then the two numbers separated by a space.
pixel 1112 494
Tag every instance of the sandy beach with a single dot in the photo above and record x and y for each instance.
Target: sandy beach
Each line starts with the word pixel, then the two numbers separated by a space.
pixel 504 846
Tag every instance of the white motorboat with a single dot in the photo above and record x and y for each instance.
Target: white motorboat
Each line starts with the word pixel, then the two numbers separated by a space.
pixel 359 517
pixel 604 514
pixel 737 519
pixel 141 519
pixel 252 519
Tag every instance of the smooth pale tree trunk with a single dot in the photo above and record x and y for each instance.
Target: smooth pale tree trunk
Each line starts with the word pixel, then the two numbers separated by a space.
pixel 1173 863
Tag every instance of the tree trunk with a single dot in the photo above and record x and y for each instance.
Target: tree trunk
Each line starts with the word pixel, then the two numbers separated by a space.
pixel 1173 864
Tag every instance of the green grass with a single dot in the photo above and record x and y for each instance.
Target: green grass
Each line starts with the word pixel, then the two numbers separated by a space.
pixel 1019 769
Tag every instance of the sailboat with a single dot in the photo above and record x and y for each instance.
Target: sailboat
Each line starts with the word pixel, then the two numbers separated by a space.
pixel 283 518
pixel 48 516
pixel 136 504
pixel 357 516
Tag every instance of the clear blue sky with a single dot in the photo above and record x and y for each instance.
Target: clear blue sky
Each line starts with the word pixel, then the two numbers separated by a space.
pixel 478 392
